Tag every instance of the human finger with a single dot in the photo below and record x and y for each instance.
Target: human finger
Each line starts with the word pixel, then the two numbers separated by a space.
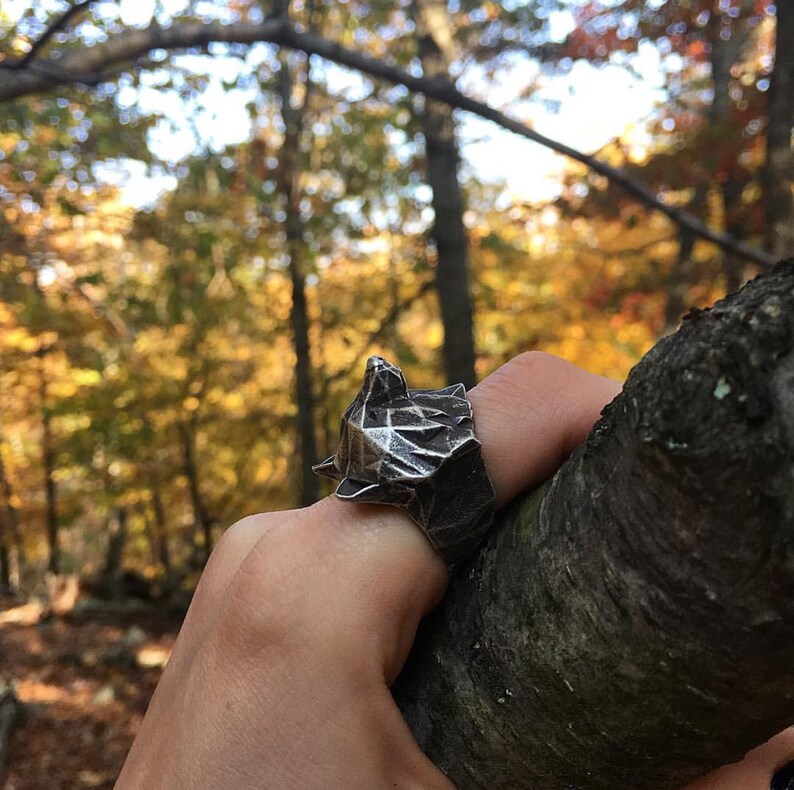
pixel 755 770
pixel 374 564
pixel 234 545
pixel 310 615
pixel 531 414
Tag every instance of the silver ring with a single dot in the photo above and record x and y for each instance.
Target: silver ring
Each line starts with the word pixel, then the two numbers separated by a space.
pixel 416 450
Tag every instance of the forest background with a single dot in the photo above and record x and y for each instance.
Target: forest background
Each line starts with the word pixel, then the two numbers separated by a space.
pixel 200 244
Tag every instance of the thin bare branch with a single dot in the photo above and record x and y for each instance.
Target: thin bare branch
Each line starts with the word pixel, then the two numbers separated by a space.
pixel 135 43
pixel 59 24
pixel 387 322
pixel 624 252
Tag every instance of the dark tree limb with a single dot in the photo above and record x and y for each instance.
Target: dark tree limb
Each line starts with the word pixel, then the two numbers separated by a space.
pixel 631 625
pixel 85 64
pixel 60 23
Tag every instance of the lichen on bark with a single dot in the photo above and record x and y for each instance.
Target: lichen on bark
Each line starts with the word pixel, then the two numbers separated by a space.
pixel 631 623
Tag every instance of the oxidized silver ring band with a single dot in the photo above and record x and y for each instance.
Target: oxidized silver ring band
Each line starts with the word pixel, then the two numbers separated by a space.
pixel 416 450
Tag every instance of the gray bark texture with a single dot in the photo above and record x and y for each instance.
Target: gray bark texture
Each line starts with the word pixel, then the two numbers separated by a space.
pixel 630 625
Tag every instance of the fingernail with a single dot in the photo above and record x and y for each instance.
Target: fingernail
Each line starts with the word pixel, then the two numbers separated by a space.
pixel 784 778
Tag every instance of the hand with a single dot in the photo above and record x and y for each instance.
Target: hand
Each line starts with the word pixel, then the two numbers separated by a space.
pixel 280 677
pixel 755 771
pixel 302 620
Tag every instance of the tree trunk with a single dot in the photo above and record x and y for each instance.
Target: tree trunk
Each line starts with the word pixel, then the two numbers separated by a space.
pixel 9 714
pixel 151 538
pixel 779 170
pixel 11 519
pixel 631 625
pixel 48 463
pixel 201 514
pixel 289 181
pixel 718 133
pixel 5 548
pixel 117 540
pixel 448 231
pixel 5 561
pixel 725 53
pixel 682 276
pixel 162 550
pixel 734 266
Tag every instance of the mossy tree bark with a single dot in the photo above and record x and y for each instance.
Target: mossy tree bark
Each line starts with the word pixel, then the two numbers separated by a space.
pixel 631 624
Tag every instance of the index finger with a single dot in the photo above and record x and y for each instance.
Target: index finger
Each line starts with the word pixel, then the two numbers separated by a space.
pixel 530 415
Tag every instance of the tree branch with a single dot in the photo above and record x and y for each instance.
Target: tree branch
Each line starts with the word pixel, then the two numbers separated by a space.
pixel 133 44
pixel 51 71
pixel 387 322
pixel 59 24
pixel 630 626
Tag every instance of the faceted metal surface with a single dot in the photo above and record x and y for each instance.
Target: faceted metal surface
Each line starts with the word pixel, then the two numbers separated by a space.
pixel 415 450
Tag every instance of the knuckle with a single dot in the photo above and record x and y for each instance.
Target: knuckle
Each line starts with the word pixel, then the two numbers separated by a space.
pixel 289 596
pixel 265 598
pixel 229 552
pixel 236 534
pixel 537 378
pixel 534 363
pixel 221 559
pixel 241 537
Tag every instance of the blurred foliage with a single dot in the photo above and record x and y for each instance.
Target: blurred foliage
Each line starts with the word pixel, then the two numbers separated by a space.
pixel 156 343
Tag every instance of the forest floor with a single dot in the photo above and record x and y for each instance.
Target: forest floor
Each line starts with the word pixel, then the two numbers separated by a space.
pixel 84 683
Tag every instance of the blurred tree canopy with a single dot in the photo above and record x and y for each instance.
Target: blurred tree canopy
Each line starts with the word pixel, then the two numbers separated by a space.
pixel 171 362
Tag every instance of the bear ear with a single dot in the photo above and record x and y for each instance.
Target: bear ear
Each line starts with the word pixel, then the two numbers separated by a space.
pixel 327 468
pixel 383 382
pixel 356 489
pixel 455 390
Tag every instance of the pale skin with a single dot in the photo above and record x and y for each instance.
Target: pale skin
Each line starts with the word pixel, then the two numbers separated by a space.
pixel 302 620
